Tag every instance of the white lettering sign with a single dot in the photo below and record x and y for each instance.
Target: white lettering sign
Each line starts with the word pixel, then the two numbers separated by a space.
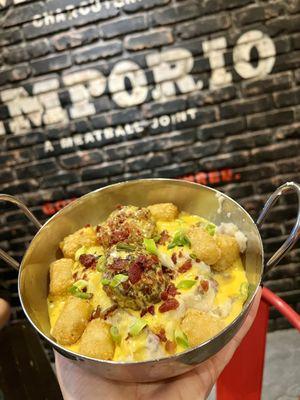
pixel 101 135
pixel 128 85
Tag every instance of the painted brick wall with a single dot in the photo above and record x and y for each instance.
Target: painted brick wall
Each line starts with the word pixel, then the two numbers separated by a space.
pixel 97 92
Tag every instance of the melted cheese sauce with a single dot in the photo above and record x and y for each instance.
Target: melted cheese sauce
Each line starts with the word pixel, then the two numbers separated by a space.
pixel 225 304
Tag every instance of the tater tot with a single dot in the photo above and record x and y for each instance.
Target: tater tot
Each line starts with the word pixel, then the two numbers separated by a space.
pixel 96 341
pixel 72 321
pixel 164 211
pixel 60 276
pixel 204 246
pixel 82 237
pixel 199 327
pixel 229 252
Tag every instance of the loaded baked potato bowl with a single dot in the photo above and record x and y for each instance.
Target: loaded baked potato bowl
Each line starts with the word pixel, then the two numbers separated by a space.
pixel 146 283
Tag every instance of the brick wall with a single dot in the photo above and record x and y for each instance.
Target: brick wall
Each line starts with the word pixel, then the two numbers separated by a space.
pixel 97 92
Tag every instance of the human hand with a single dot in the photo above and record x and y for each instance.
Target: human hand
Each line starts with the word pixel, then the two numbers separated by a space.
pixel 77 384
pixel 4 312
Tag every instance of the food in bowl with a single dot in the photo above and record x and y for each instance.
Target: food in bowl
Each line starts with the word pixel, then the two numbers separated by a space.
pixel 146 283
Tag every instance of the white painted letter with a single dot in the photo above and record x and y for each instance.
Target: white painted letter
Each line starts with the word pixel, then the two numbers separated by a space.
pixel 242 54
pixel 214 50
pixel 171 68
pixel 138 82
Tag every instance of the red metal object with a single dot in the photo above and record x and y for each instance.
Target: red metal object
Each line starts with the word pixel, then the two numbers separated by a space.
pixel 242 378
pixel 273 300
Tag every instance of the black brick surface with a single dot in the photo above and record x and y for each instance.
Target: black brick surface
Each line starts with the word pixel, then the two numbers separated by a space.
pixel 241 137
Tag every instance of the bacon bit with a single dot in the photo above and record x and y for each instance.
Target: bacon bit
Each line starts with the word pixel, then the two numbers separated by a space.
pixel 119 206
pixel 170 346
pixel 118 264
pixel 147 262
pixel 109 311
pixel 87 225
pixel 204 284
pixel 196 278
pixel 155 259
pixel 171 290
pixel 119 236
pixel 164 237
pixel 174 258
pixel 162 335
pixel 185 266
pixel 96 313
pixel 169 304
pixel 164 295
pixel 143 312
pixel 88 260
pixel 149 310
pixel 135 272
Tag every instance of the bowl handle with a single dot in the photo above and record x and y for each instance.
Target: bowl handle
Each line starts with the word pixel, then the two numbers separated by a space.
pixel 11 199
pixel 295 233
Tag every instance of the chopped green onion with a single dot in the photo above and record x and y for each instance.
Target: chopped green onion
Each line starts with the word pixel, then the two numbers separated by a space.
pixel 125 246
pixel 80 284
pixel 75 291
pixel 79 252
pixel 137 327
pixel 193 256
pixel 186 284
pixel 105 281
pixel 117 279
pixel 150 246
pixel 116 337
pixel 100 264
pixel 244 289
pixel 180 239
pixel 210 228
pixel 181 339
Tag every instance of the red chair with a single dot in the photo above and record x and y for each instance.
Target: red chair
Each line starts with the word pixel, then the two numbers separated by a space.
pixel 248 361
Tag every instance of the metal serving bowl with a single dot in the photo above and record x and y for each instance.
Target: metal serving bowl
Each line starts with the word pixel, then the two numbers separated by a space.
pixel 94 207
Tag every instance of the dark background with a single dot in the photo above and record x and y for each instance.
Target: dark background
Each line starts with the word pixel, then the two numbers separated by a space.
pixel 241 137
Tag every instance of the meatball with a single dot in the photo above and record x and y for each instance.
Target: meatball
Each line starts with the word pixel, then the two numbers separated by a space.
pixel 127 224
pixel 96 341
pixel 199 326
pixel 143 278
pixel 204 246
pixel 72 321
pixel 82 237
pixel 61 276
pixel 230 252
pixel 164 211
